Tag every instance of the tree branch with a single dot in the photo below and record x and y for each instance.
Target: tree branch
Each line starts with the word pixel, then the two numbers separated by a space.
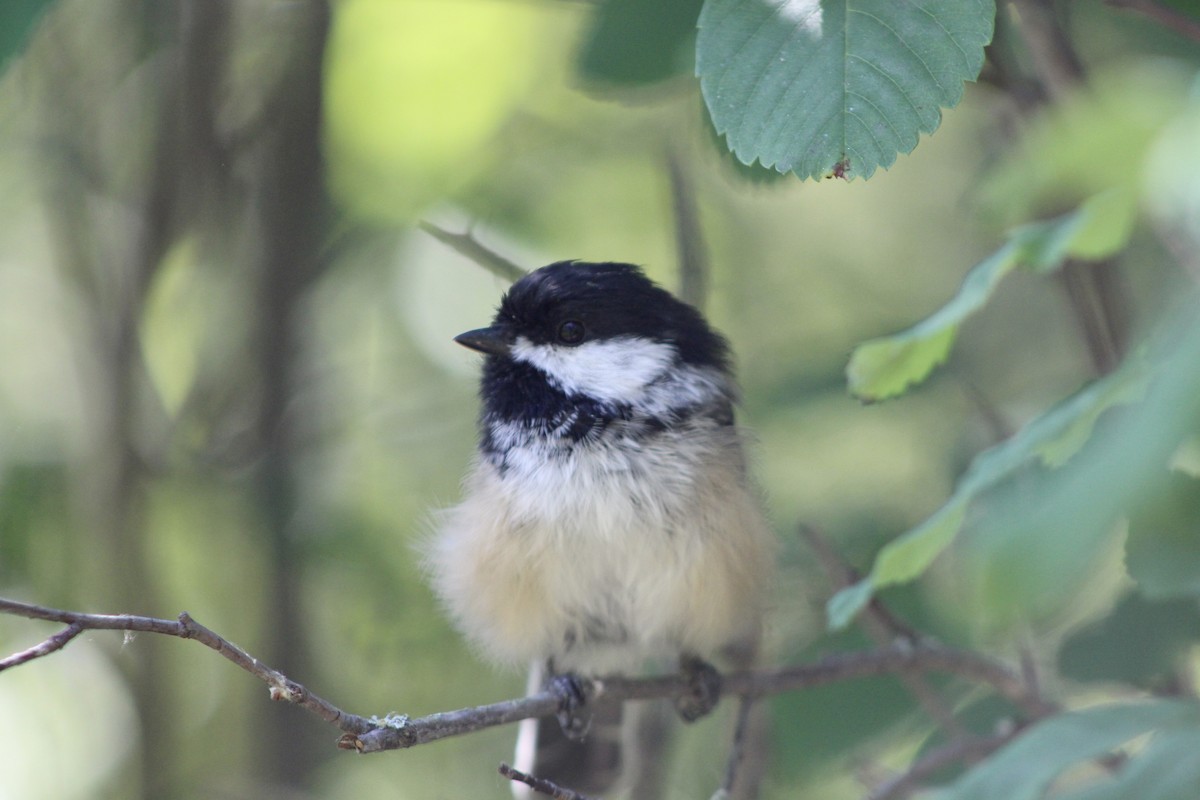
pixel 1177 21
pixel 400 732
pixel 690 252
pixel 541 785
pixel 883 627
pixel 960 750
pixel 466 244
pixel 44 648
pixel 738 751
pixel 403 732
pixel 281 687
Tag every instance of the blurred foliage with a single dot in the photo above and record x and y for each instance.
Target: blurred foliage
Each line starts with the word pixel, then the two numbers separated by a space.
pixel 1025 768
pixel 888 366
pixel 229 384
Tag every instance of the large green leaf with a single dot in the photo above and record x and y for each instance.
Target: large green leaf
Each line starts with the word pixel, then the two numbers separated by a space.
pixel 1141 643
pixel 1049 439
pixel 820 87
pixel 887 366
pixel 1024 769
pixel 1166 770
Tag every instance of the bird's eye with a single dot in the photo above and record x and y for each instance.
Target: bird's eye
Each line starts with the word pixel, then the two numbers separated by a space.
pixel 570 332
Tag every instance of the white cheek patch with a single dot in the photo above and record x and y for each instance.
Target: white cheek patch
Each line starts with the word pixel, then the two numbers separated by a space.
pixel 612 370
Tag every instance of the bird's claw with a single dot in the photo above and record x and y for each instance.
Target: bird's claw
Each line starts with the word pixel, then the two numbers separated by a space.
pixel 703 690
pixel 572 699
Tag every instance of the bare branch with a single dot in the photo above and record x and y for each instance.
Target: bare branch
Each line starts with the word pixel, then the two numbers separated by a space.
pixel 1163 14
pixel 960 750
pixel 44 648
pixel 738 751
pixel 541 785
pixel 281 687
pixel 902 657
pixel 466 244
pixel 393 733
pixel 690 251
pixel 883 626
pixel 842 575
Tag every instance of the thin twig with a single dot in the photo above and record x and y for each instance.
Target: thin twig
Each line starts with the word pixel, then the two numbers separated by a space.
pixel 1093 289
pixel 281 687
pixel 1059 69
pixel 467 245
pixel 957 751
pixel 738 750
pixel 541 785
pixel 883 627
pixel 690 251
pixel 44 648
pixel 842 575
pixel 1177 21
pixel 1029 668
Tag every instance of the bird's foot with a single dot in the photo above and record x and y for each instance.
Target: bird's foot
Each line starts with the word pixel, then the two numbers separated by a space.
pixel 572 715
pixel 703 689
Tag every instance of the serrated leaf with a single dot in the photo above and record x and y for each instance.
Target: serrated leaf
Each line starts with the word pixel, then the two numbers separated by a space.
pixel 835 86
pixel 1051 438
pixel 639 42
pixel 887 366
pixel 1025 768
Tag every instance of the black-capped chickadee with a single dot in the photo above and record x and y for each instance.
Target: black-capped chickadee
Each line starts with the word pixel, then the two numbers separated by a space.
pixel 608 520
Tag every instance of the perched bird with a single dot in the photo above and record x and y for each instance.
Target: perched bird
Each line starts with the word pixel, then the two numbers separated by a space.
pixel 607 522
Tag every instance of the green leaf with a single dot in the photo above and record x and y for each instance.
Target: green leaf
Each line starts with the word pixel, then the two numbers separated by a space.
pixel 839 86
pixel 1025 768
pixel 1051 439
pixel 885 367
pixel 1163 547
pixel 1140 643
pixel 639 42
pixel 900 560
pixel 1166 770
pixel 17 18
pixel 1062 436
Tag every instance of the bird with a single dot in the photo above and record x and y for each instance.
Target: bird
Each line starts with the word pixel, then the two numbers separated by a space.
pixel 608 521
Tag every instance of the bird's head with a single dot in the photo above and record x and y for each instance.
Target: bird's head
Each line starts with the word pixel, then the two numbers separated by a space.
pixel 605 331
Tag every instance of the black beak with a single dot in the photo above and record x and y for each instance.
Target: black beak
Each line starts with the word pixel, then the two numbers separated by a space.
pixel 494 340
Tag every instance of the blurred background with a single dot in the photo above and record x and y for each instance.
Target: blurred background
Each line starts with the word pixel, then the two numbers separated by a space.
pixel 228 386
